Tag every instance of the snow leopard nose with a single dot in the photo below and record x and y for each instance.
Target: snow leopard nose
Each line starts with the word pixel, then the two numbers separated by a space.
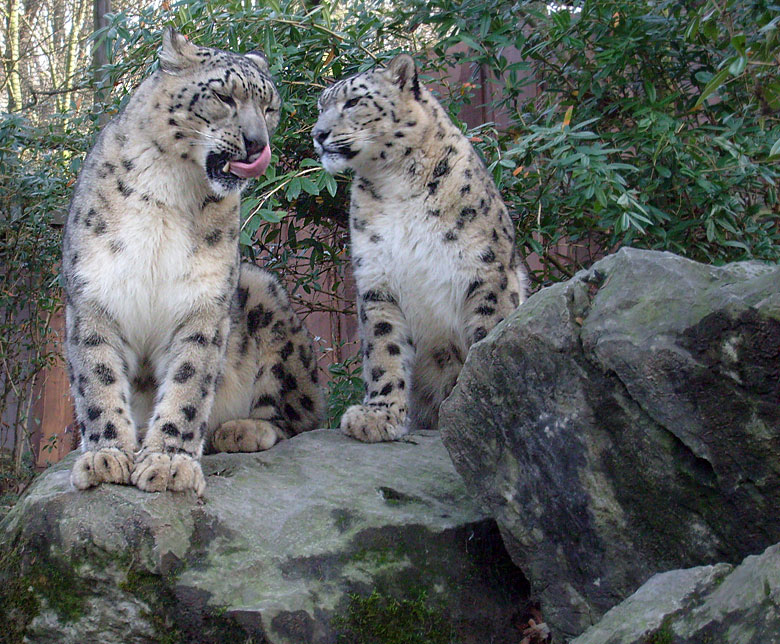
pixel 320 135
pixel 253 146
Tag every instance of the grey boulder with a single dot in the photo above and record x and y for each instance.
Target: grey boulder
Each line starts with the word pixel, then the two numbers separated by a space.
pixel 716 603
pixel 312 541
pixel 624 423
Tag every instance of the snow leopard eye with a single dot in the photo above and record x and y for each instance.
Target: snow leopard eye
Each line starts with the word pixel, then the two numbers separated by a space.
pixel 227 100
pixel 351 103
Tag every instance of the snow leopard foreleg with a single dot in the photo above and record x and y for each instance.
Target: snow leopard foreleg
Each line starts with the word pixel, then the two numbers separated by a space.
pixel 388 352
pixel 169 457
pixel 98 367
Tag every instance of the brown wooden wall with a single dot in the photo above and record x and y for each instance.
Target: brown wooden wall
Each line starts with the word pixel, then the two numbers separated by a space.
pixel 53 407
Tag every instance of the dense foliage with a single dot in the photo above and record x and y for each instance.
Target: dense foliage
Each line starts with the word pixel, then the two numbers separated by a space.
pixel 649 123
pixel 645 122
pixel 654 124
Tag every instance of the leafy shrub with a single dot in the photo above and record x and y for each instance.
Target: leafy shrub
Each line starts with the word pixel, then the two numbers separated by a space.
pixel 345 388
pixel 655 123
pixel 38 164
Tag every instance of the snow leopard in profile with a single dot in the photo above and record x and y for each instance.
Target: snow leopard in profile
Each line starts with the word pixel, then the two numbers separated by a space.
pixel 171 341
pixel 433 246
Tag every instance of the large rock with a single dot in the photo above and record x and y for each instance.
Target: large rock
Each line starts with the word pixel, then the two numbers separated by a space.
pixel 717 603
pixel 624 423
pixel 319 538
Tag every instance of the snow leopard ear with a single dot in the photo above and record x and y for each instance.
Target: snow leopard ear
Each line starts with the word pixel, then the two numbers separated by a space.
pixel 177 53
pixel 259 59
pixel 404 74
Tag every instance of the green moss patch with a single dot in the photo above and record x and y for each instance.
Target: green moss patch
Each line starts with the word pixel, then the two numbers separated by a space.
pixel 24 586
pixel 663 635
pixel 181 619
pixel 382 619
pixel 18 603
pixel 32 581
pixel 379 556
pixel 156 594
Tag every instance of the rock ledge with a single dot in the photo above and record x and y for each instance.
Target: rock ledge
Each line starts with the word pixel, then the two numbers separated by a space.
pixel 272 552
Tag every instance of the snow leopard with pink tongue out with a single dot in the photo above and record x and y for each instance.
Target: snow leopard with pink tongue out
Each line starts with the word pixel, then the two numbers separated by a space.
pixel 171 342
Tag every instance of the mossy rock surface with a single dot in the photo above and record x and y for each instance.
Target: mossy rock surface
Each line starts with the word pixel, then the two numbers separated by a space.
pixel 625 423
pixel 285 547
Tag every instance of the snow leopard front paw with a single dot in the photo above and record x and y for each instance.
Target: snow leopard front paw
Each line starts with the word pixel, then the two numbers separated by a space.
pixel 157 472
pixel 108 465
pixel 373 424
pixel 245 435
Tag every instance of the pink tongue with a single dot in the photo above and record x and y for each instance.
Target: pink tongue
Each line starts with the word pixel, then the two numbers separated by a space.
pixel 254 169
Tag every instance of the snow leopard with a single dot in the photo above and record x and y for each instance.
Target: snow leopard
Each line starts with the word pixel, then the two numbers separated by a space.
pixel 432 243
pixel 172 343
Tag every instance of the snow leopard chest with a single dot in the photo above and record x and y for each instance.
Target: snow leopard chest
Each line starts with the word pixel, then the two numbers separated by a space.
pixel 149 277
pixel 407 253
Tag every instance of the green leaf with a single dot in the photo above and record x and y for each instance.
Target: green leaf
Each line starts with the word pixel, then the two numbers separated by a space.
pixel 468 40
pixel 247 205
pixel 536 247
pixel 710 230
pixel 246 239
pixel 738 65
pixel 693 29
pixel 484 26
pixel 709 27
pixel 309 186
pixel 330 183
pixel 650 91
pixel 738 43
pixel 562 19
pixel 633 217
pixel 775 149
pixel 712 86
pixel 770 26
pixel 272 216
pixel 293 188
